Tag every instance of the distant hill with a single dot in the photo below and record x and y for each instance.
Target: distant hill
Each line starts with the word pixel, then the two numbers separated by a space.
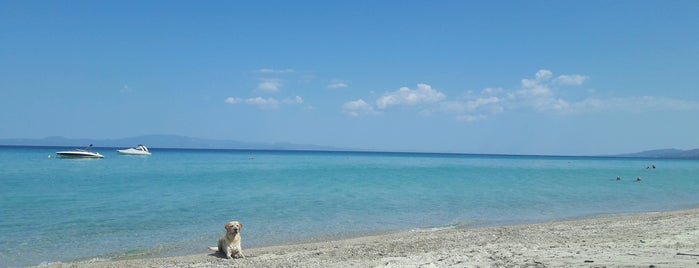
pixel 664 153
pixel 166 141
pixel 183 142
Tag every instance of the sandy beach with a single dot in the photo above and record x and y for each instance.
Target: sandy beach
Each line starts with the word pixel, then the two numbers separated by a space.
pixel 666 239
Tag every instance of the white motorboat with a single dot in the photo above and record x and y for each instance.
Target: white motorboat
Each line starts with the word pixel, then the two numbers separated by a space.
pixel 138 150
pixel 80 153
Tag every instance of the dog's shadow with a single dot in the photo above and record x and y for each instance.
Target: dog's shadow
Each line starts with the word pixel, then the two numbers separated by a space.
pixel 218 255
pixel 221 255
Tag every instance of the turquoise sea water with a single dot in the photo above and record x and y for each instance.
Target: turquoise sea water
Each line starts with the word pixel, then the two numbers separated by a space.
pixel 176 202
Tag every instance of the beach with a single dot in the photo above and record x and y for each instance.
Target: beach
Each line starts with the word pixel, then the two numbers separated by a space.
pixel 662 239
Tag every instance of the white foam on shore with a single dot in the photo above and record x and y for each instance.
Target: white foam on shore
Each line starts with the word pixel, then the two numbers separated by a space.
pixel 59 263
pixel 95 260
pixel 431 229
pixel 442 228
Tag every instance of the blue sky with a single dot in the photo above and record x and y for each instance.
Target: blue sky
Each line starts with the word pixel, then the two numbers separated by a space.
pixel 514 77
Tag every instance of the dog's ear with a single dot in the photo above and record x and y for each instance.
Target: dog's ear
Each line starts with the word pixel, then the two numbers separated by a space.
pixel 228 225
pixel 240 226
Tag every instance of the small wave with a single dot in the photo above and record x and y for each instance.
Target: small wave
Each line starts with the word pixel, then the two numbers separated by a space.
pixel 46 263
pixel 431 229
pixel 457 225
pixel 95 260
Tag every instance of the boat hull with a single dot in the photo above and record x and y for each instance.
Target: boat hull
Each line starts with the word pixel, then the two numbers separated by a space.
pixel 132 151
pixel 71 154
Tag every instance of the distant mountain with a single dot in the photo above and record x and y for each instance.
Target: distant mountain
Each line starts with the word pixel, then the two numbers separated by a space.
pixel 183 142
pixel 166 141
pixel 664 153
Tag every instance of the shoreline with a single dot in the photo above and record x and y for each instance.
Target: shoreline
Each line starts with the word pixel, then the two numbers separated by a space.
pixel 661 239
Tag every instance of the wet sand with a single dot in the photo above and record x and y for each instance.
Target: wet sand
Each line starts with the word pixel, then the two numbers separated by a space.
pixel 666 239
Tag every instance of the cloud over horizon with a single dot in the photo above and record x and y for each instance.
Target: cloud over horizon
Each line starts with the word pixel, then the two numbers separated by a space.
pixel 541 94
pixel 424 94
pixel 265 103
pixel 336 84
pixel 358 107
pixel 269 85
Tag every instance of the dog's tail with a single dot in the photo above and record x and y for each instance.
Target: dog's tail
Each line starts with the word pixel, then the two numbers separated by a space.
pixel 213 248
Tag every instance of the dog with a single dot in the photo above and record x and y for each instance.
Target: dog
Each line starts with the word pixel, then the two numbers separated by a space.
pixel 229 244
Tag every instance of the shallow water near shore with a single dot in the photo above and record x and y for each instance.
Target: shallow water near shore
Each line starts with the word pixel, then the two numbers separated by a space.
pixel 176 202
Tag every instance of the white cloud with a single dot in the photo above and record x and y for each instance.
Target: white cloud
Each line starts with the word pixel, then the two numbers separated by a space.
pixel 543 75
pixel 480 103
pixel 295 100
pixel 571 80
pixel 424 94
pixel 269 85
pixel 274 71
pixel 262 103
pixel 631 104
pixel 337 85
pixel 265 103
pixel 539 93
pixel 544 93
pixel 358 107
pixel 232 100
pixel 492 91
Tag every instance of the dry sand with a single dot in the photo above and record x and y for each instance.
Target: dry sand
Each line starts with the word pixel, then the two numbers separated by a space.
pixel 667 239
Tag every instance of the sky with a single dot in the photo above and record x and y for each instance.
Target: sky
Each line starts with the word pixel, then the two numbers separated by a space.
pixel 494 77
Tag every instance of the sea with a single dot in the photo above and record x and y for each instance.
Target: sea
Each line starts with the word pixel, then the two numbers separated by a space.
pixel 176 201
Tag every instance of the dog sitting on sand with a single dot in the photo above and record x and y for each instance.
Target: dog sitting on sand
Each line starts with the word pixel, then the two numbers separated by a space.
pixel 229 244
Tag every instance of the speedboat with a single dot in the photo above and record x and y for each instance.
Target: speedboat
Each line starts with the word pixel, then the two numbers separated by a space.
pixel 138 150
pixel 80 153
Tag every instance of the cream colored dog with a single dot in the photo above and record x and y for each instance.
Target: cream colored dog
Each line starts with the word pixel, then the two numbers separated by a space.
pixel 229 244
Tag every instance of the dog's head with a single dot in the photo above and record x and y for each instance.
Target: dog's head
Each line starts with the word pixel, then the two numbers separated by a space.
pixel 233 227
